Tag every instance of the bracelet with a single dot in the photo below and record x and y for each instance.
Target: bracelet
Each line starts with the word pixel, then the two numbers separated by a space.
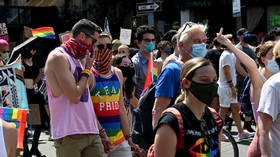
pixel 229 81
pixel 101 130
pixel 86 73
pixel 127 136
pixel 230 84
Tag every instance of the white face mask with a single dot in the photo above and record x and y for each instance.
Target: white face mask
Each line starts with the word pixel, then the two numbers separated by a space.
pixel 272 66
pixel 4 56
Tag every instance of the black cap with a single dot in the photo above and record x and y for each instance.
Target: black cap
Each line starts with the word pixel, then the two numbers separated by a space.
pixel 241 31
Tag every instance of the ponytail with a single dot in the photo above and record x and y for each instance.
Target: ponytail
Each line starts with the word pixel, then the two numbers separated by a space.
pixel 181 97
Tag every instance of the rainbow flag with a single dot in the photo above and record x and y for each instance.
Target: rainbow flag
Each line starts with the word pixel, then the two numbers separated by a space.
pixel 18 118
pixel 152 73
pixel 44 32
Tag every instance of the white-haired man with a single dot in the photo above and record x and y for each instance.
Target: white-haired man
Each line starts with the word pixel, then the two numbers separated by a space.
pixel 191 39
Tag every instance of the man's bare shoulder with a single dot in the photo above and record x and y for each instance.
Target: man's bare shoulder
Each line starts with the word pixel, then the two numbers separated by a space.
pixel 55 58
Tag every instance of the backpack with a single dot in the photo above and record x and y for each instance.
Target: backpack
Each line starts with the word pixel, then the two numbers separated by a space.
pixel 182 131
pixel 142 129
pixel 245 99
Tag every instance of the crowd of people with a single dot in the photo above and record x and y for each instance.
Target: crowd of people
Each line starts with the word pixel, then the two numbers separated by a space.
pixel 94 85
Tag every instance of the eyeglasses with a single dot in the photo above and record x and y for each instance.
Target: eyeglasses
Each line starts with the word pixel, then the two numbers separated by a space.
pixel 102 46
pixel 149 40
pixel 204 129
pixel 93 40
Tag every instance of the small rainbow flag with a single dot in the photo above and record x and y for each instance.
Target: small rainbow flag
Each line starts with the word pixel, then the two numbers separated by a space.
pixel 17 117
pixel 44 32
pixel 152 73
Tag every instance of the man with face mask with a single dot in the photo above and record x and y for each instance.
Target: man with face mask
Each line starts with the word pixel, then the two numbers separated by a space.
pixel 145 40
pixel 244 38
pixel 74 126
pixel 191 40
pixel 4 51
pixel 107 96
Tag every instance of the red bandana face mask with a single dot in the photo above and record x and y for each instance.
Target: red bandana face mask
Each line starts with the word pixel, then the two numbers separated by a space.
pixel 76 48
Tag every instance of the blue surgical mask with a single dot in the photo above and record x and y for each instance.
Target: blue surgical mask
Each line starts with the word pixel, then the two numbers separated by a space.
pixel 199 50
pixel 272 66
pixel 149 47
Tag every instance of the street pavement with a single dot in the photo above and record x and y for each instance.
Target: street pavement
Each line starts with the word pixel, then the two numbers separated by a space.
pixel 46 147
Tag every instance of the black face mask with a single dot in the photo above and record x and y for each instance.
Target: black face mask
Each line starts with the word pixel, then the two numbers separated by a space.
pixel 204 92
pixel 168 51
pixel 26 53
pixel 127 71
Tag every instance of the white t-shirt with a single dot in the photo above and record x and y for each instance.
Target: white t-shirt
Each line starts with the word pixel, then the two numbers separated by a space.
pixel 270 104
pixel 227 58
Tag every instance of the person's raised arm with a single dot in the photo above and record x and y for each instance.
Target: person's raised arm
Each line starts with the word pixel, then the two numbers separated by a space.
pixel 240 69
pixel 60 67
pixel 256 79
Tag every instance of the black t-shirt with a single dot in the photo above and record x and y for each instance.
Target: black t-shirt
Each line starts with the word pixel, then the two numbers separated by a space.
pixel 214 56
pixel 31 72
pixel 194 140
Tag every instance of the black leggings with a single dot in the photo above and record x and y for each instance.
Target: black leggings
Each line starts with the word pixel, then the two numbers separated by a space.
pixel 35 98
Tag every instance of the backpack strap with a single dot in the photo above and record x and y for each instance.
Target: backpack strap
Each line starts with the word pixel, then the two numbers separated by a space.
pixel 217 118
pixel 181 136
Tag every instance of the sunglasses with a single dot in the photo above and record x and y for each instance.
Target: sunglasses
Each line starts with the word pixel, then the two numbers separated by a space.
pixel 93 40
pixel 102 46
pixel 149 40
pixel 204 129
pixel 187 24
pixel 247 35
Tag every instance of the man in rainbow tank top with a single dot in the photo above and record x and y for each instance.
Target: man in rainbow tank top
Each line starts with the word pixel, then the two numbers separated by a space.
pixel 107 97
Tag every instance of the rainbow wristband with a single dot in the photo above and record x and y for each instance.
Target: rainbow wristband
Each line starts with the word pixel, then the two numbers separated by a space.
pixel 230 84
pixel 85 73
pixel 229 81
pixel 101 130
pixel 127 136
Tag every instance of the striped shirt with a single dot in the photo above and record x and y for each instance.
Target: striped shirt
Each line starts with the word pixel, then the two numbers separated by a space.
pixel 105 96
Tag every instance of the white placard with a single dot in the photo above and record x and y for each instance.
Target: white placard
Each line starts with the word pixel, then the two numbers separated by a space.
pixel 236 9
pixel 125 36
pixel 4 32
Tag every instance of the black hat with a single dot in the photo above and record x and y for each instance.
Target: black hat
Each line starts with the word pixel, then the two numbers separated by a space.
pixel 241 31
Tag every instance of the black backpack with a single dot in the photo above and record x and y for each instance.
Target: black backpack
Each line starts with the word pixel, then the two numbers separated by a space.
pixel 245 99
pixel 142 129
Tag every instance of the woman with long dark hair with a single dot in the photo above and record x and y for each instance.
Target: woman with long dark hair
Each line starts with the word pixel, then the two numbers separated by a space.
pixel 32 75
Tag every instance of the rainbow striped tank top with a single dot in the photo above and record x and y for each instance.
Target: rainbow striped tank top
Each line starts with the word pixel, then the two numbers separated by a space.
pixel 105 98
